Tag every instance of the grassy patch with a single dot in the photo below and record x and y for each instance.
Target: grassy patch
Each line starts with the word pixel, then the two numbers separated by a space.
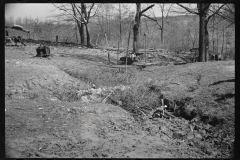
pixel 103 77
pixel 140 99
pixel 67 93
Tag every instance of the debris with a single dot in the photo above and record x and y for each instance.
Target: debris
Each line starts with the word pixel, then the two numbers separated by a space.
pixel 191 127
pixel 53 99
pixel 197 135
pixel 191 144
pixel 104 155
pixel 207 127
pixel 203 132
pixel 105 99
pixel 17 107
pixel 84 99
pixel 169 114
pixel 190 136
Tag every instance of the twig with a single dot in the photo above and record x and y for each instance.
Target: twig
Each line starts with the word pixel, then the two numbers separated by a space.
pixel 105 99
pixel 165 133
pixel 169 114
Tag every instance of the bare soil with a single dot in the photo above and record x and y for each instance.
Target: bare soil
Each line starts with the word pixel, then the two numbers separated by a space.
pixel 39 125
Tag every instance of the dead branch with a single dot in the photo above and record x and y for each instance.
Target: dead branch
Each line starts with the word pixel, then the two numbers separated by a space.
pixel 146 9
pixel 188 9
pixel 216 11
pixel 105 99
pixel 169 114
pixel 149 17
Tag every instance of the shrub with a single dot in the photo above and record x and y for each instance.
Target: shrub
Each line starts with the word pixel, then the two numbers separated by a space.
pixel 140 99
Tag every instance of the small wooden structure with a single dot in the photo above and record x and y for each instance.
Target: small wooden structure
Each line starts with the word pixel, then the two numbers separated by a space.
pixel 43 51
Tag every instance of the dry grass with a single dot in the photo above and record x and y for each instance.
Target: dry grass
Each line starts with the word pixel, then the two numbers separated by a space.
pixel 103 77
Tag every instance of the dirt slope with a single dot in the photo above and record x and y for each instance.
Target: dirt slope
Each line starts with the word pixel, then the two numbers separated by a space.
pixel 43 126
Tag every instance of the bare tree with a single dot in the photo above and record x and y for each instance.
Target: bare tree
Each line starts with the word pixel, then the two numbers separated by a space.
pixel 164 15
pixel 79 25
pixel 193 31
pixel 203 11
pixel 136 26
pixel 84 13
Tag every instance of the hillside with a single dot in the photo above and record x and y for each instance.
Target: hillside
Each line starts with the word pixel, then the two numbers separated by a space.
pixel 75 104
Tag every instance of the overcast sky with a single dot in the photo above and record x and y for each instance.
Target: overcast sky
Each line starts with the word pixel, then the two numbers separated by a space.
pixel 40 10
pixel 43 10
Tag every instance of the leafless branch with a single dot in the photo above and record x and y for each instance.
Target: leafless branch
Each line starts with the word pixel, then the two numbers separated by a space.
pixel 90 10
pixel 62 9
pixel 224 17
pixel 95 11
pixel 146 9
pixel 149 17
pixel 215 12
pixel 188 9
pixel 168 11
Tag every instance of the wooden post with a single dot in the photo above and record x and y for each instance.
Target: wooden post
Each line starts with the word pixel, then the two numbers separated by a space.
pixel 57 39
pixel 127 50
pixel 109 61
pixel 145 46
pixel 118 49
pixel 106 39
pixel 97 40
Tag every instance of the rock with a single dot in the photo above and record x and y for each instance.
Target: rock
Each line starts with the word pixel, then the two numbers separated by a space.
pixel 197 135
pixel 207 127
pixel 85 99
pixel 163 128
pixel 179 135
pixel 186 122
pixel 203 132
pixel 190 136
pixel 196 119
pixel 104 155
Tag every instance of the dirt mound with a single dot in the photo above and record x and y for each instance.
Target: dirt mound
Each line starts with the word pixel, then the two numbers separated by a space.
pixel 50 127
pixel 36 75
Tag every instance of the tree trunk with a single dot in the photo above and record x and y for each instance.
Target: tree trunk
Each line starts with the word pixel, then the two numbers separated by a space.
pixel 89 44
pixel 76 34
pixel 217 37
pixel 223 41
pixel 162 36
pixel 136 30
pixel 202 38
pixel 120 25
pixel 162 28
pixel 213 33
pixel 81 27
pixel 206 40
pixel 81 32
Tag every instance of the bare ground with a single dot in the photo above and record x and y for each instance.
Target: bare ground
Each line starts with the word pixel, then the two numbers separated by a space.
pixel 37 124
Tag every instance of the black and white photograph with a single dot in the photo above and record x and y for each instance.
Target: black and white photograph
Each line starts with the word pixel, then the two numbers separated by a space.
pixel 119 80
